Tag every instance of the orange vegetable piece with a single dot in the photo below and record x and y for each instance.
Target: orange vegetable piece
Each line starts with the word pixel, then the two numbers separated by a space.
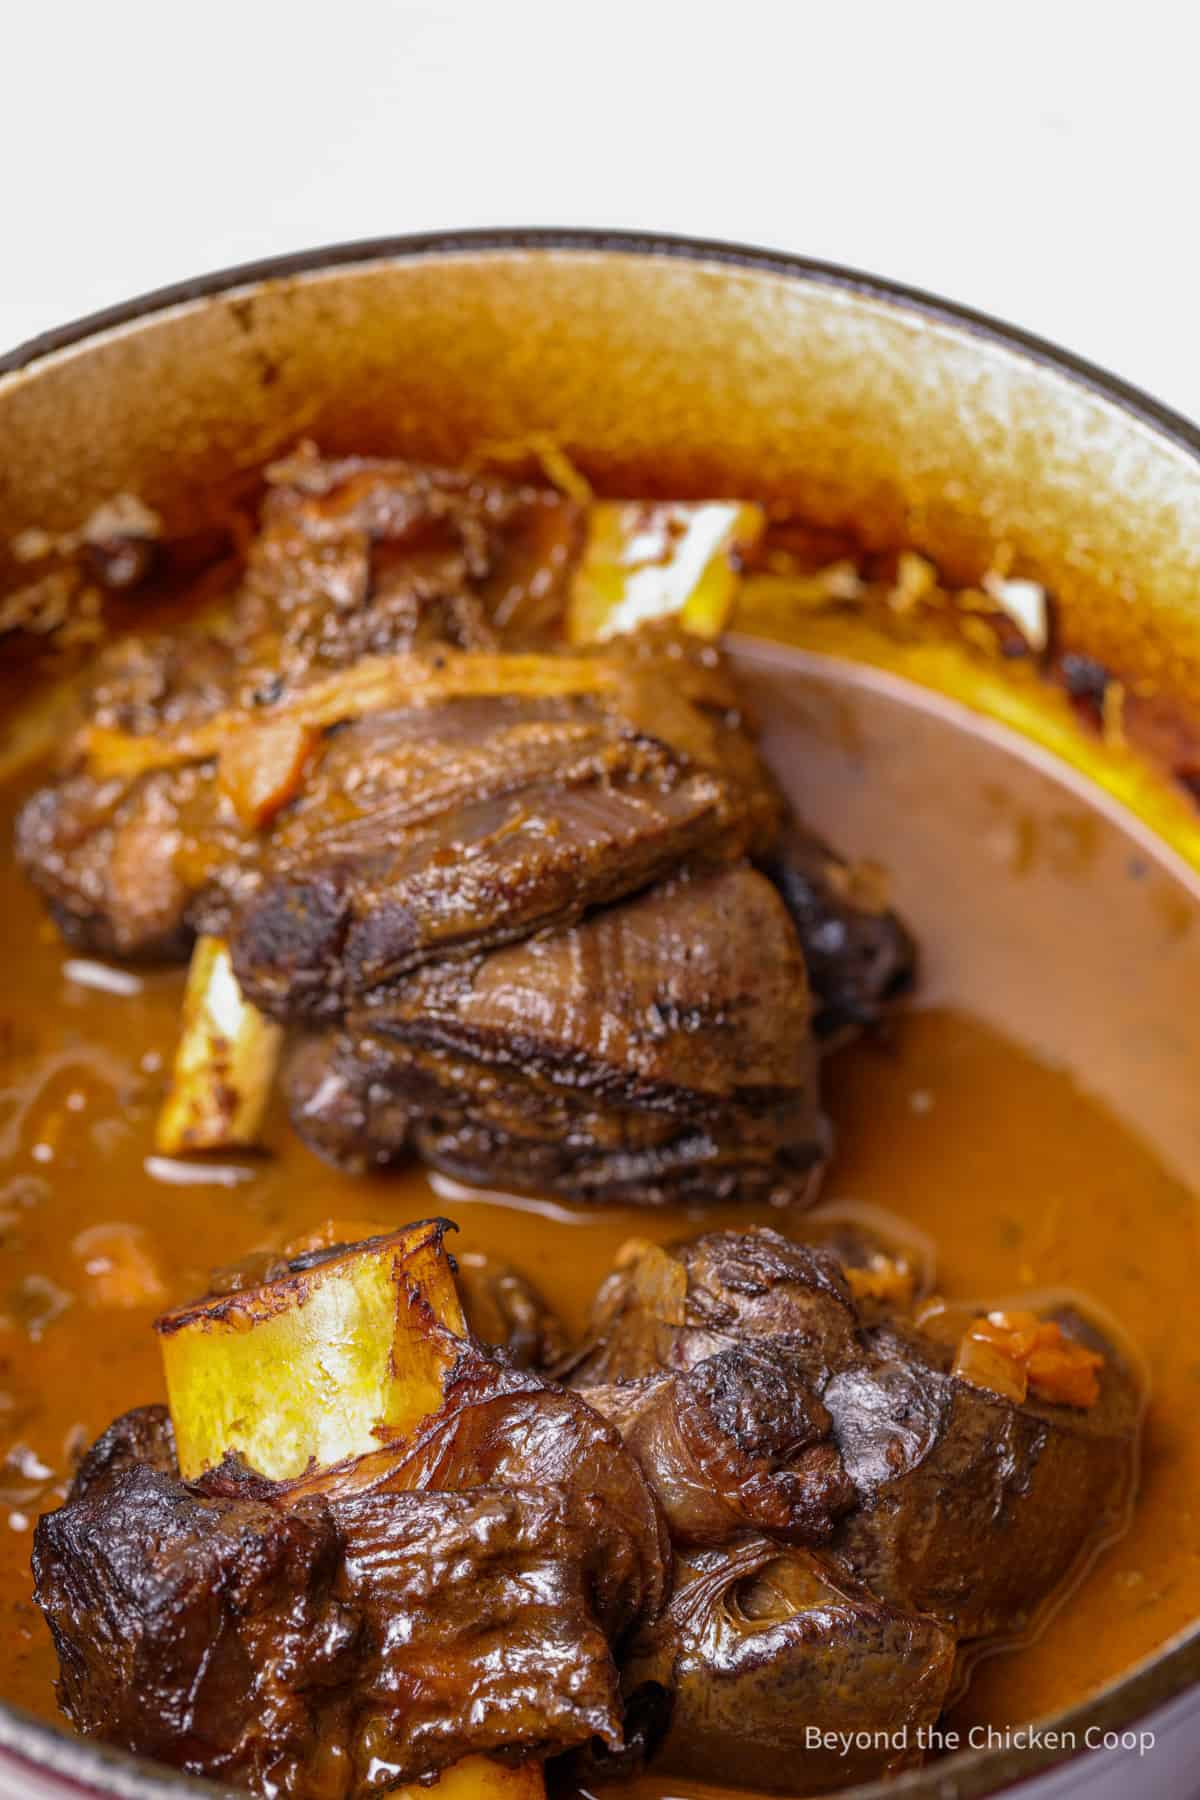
pixel 989 1364
pixel 260 771
pixel 1014 1353
pixel 885 1278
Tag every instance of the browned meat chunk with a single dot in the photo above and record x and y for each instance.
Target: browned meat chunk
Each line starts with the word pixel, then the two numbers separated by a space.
pixel 141 1438
pixel 353 827
pixel 483 1608
pixel 410 812
pixel 437 831
pixel 502 1427
pixel 970 1506
pixel 460 1594
pixel 251 1640
pixel 354 558
pixel 964 1503
pixel 760 1645
pixel 658 1050
pixel 107 862
pixel 357 557
pixel 738 1441
pixel 849 1515
pixel 859 953
pixel 156 1593
pixel 673 1308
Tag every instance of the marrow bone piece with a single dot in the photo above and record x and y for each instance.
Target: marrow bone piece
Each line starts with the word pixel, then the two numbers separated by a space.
pixel 328 1363
pixel 224 1064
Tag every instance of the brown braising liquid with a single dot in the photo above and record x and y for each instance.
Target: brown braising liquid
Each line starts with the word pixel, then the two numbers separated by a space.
pixel 1033 1112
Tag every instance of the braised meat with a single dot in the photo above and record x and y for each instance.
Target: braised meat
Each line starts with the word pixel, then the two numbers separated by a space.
pixel 761 1645
pixel 501 1427
pixel 108 860
pixel 455 817
pixel 360 823
pixel 378 770
pixel 947 1514
pixel 543 804
pixel 658 1050
pixel 254 1639
pixel 358 557
pixel 771 1500
pixel 143 1438
pixel 432 832
pixel 965 1503
pixel 674 1308
pixel 354 557
pixel 738 1441
pixel 507 1313
pixel 970 1506
pixel 363 1625
pixel 156 1595
pixel 553 799
pixel 859 953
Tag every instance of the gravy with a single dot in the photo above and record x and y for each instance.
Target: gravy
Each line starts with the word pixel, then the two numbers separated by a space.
pixel 1033 1113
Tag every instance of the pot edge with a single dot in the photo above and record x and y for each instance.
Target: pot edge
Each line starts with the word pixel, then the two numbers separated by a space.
pixel 618 241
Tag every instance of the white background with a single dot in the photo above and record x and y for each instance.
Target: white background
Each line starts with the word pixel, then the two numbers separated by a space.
pixel 1039 161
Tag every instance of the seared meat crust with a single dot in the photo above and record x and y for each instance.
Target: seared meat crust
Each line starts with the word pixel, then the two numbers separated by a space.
pixel 860 954
pixel 758 1645
pixel 959 1503
pixel 659 1050
pixel 365 1625
pixel 850 1523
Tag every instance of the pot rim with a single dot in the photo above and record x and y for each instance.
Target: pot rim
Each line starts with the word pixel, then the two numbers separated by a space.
pixel 900 296
pixel 38 1747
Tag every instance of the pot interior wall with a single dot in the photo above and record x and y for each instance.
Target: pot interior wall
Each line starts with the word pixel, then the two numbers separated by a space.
pixel 658 373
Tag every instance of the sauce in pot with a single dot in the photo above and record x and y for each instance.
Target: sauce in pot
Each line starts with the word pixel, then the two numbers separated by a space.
pixel 1032 1113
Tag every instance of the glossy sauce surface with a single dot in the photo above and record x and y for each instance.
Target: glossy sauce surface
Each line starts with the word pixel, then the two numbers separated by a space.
pixel 1032 1114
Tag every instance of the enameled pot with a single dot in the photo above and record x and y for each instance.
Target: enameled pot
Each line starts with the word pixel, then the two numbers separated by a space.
pixel 674 367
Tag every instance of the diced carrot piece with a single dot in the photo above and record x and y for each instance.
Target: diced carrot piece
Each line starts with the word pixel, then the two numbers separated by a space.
pixel 885 1278
pixel 1066 1376
pixel 1051 1366
pixel 260 771
pixel 988 1364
